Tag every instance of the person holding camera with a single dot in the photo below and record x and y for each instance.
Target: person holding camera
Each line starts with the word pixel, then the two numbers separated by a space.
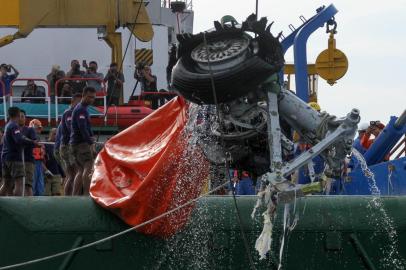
pixel 148 82
pixel 144 75
pixel 115 80
pixel 7 78
pixel 375 128
pixel 55 75
pixel 91 73
pixel 76 72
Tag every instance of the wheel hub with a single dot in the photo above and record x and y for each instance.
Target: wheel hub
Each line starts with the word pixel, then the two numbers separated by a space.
pixel 220 53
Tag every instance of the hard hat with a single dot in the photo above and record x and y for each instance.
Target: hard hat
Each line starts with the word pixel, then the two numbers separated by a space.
pixel 315 106
pixel 35 123
pixel 363 126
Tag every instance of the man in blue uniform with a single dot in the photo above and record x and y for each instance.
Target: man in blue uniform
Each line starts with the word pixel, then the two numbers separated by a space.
pixel 68 161
pixel 82 142
pixel 245 184
pixel 29 161
pixel 13 145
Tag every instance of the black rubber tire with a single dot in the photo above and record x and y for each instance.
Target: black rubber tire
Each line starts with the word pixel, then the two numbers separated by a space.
pixel 196 85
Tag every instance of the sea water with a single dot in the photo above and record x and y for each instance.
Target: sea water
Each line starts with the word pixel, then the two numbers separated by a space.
pixel 379 218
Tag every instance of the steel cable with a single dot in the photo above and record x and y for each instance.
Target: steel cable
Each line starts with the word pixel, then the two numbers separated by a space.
pixel 120 69
pixel 213 86
pixel 112 236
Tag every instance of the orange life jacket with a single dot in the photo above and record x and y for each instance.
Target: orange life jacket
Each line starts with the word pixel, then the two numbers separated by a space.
pixel 38 153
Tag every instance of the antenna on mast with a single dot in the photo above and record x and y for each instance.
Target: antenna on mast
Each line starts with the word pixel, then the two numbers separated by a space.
pixel 256 8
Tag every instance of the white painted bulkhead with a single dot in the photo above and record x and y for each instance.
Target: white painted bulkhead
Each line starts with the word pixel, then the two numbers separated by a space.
pixel 35 55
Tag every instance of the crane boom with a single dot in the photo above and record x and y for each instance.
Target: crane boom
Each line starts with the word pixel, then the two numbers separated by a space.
pixel 26 15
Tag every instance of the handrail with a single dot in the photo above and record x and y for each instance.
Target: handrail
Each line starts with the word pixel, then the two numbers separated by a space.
pixel 154 97
pixel 3 91
pixel 80 79
pixel 47 93
pixel 396 148
pixel 46 99
pixel 103 96
pixel 3 88
pixel 155 94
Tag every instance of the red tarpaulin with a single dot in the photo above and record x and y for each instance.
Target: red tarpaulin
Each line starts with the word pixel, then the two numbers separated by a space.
pixel 150 168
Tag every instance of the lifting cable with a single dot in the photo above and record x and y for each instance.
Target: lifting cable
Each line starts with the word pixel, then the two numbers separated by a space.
pixel 59 254
pixel 221 136
pixel 227 165
pixel 120 69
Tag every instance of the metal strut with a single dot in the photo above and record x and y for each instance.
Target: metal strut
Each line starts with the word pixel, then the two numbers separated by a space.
pixel 274 135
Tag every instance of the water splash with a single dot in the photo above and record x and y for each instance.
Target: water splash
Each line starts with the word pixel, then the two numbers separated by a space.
pixel 190 248
pixel 367 172
pixel 380 219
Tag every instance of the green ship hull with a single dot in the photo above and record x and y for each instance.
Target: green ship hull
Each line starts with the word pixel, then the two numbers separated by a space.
pixel 332 232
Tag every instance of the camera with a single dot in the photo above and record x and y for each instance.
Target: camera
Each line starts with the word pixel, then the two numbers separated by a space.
pixel 76 66
pixel 140 66
pixel 7 67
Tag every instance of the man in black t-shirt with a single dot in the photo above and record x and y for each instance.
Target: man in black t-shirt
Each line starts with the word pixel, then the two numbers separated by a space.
pixel 115 81
pixel 148 84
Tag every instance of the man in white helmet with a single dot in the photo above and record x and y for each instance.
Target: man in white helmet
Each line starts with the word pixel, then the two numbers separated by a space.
pixel 362 128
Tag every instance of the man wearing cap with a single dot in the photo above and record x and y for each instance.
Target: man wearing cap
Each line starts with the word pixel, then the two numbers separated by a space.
pixel 12 155
pixel 357 142
pixel 82 142
pixel 68 161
